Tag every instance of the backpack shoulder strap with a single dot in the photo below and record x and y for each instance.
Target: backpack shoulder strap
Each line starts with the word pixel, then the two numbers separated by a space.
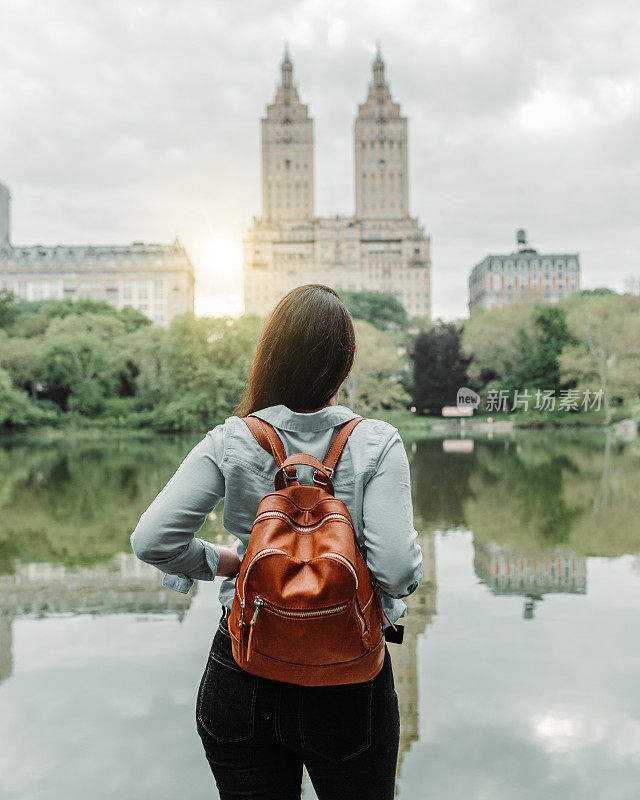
pixel 267 438
pixel 339 440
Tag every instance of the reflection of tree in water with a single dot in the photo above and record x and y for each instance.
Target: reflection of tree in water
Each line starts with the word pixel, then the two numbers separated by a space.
pixel 447 485
pixel 440 485
pixel 79 502
pixel 546 491
pixel 542 504
pixel 530 481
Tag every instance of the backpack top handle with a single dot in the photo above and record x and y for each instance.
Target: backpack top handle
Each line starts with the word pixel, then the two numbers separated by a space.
pixel 283 478
pixel 266 436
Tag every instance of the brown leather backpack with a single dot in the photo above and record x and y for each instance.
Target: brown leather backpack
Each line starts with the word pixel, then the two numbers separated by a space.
pixel 305 609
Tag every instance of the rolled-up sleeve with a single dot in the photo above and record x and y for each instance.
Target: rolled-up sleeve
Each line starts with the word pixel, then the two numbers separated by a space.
pixel 392 547
pixel 165 534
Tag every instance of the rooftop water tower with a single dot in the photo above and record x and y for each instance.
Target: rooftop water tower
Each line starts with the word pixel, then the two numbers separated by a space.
pixel 521 239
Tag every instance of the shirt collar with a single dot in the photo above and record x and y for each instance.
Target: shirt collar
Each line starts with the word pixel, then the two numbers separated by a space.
pixel 281 416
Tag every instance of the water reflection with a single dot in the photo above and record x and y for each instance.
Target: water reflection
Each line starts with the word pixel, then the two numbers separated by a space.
pixel 513 520
pixel 540 490
pixel 77 502
pixel 123 585
pixel 512 570
pixel 421 609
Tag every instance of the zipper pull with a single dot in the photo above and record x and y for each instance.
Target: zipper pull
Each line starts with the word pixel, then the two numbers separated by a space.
pixel 241 628
pixel 259 602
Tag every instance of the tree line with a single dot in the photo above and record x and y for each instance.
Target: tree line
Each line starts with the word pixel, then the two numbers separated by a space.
pixel 85 363
pixel 588 342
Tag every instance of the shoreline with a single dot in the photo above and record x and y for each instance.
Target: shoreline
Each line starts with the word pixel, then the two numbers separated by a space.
pixel 407 422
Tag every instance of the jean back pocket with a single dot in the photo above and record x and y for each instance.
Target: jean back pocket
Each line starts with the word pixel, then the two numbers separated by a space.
pixel 226 702
pixel 335 721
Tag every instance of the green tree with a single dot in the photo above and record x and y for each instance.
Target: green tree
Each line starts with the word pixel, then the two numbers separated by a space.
pixel 33 318
pixel 16 410
pixel 383 311
pixel 204 366
pixel 602 291
pixel 145 364
pixel 29 325
pixel 439 368
pixel 22 359
pixel 606 353
pixel 8 309
pixel 132 319
pixel 492 340
pixel 537 361
pixel 374 381
pixel 80 363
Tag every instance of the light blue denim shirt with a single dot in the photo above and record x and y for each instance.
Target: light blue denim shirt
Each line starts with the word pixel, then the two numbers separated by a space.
pixel 371 478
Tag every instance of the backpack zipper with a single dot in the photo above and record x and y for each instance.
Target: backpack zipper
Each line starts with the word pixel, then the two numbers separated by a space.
pixel 342 560
pixel 285 612
pixel 267 551
pixel 260 602
pixel 359 615
pixel 301 528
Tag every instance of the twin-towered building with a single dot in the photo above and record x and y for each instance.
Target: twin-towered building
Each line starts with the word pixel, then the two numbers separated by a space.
pixel 381 248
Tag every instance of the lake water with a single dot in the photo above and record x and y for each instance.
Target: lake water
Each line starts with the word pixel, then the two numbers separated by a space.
pixel 519 677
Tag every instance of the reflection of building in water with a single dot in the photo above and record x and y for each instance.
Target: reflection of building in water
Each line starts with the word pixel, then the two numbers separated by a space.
pixel 124 584
pixel 421 608
pixel 507 569
pixel 6 641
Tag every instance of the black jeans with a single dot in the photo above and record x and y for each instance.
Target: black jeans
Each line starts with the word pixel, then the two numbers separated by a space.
pixel 258 733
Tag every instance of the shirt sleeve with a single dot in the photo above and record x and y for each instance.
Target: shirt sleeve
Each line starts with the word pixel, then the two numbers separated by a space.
pixel 392 547
pixel 165 534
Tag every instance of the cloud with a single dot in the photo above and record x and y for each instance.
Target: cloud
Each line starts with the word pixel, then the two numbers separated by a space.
pixel 138 120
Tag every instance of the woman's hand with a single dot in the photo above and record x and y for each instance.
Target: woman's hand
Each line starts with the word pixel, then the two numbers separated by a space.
pixel 229 563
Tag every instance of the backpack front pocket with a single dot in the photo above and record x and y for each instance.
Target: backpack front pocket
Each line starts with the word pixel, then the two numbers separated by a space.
pixel 286 634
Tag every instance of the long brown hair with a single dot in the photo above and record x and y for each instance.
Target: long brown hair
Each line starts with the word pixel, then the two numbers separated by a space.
pixel 305 351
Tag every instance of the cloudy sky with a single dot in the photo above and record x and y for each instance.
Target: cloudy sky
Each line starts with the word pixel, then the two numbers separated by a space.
pixel 126 120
